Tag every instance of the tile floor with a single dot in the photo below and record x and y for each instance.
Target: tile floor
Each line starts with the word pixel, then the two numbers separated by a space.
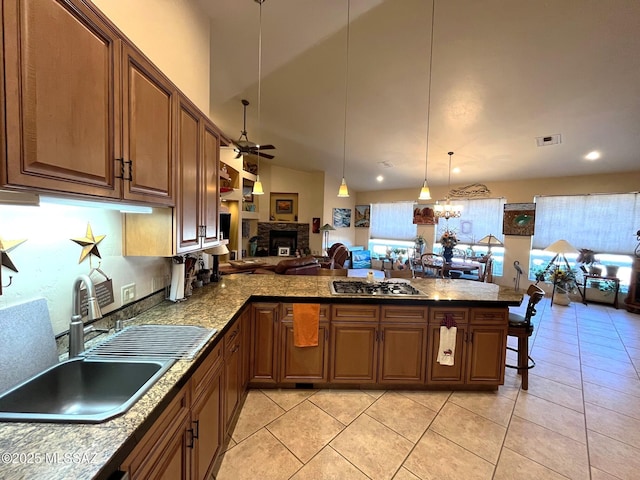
pixel 580 418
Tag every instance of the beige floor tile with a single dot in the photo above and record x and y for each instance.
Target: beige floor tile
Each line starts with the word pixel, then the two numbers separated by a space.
pixel 597 474
pixel 402 415
pixel 605 331
pixel 613 457
pixel 470 430
pixel 546 447
pixel 373 448
pixel 437 458
pixel 343 405
pixel 608 343
pixel 259 456
pixel 305 430
pixel 329 465
pixel 258 411
pixel 433 400
pixel 373 393
pixel 620 383
pixel 509 391
pixel 556 392
pixel 555 417
pixel 491 405
pixel 541 354
pixel 557 345
pixel 613 424
pixel 513 466
pixel 404 474
pixel 602 362
pixel 566 376
pixel 563 336
pixel 634 353
pixel 287 398
pixel 613 354
pixel 612 399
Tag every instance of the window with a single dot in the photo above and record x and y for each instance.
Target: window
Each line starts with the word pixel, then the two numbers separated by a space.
pixel 480 217
pixel 605 223
pixel 391 228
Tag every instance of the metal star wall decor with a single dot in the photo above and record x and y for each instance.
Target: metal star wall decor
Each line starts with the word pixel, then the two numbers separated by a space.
pixel 89 244
pixel 5 247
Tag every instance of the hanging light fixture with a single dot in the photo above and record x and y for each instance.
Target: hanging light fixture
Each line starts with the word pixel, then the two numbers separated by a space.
pixel 425 193
pixel 257 185
pixel 447 210
pixel 344 191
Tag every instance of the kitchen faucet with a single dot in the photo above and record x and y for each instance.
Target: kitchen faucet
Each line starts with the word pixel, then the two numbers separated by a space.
pixel 76 327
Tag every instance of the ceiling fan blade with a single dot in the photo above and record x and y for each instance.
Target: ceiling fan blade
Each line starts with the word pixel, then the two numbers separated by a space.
pixel 267 147
pixel 262 154
pixel 238 155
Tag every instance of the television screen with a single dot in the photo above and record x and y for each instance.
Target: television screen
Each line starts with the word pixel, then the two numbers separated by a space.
pixel 225 225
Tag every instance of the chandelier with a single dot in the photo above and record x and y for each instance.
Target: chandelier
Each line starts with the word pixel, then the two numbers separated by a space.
pixel 447 210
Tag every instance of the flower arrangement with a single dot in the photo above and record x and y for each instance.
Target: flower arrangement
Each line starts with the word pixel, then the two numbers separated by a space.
pixel 448 239
pixel 563 278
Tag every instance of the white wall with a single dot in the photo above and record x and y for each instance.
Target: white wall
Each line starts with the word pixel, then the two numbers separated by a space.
pixel 343 235
pixel 47 262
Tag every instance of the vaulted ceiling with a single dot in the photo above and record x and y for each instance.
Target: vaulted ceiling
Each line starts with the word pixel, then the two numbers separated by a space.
pixel 503 73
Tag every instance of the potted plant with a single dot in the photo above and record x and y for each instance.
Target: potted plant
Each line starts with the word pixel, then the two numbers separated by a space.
pixel 448 240
pixel 587 257
pixel 420 243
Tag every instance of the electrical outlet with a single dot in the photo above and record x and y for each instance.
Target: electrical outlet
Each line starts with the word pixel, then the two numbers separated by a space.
pixel 128 293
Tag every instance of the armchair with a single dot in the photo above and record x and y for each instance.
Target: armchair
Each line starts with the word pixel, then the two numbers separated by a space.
pixel 338 254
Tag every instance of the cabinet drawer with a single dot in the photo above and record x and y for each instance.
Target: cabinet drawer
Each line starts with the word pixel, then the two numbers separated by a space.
pixel 391 313
pixel 492 316
pixel 436 315
pixel 287 312
pixel 200 379
pixel 351 313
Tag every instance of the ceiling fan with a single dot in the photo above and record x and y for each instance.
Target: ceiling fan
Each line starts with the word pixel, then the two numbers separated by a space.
pixel 244 146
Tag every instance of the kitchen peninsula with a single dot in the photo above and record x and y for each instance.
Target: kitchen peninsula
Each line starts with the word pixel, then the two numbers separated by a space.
pixel 368 341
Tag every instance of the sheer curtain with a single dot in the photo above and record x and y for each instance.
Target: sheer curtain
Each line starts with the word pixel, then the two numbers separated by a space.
pixel 480 217
pixel 604 223
pixel 392 221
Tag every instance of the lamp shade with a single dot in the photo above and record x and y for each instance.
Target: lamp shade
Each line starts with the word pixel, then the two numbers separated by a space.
pixel 326 227
pixel 217 250
pixel 561 246
pixel 490 240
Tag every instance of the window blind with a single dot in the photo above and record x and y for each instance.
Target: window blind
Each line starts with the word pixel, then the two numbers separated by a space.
pixel 392 221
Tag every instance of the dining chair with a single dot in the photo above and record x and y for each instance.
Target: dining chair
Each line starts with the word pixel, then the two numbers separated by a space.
pixel 520 326
pixel 404 273
pixel 432 265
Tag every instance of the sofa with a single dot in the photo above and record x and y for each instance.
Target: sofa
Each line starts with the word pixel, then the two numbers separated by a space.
pixel 294 266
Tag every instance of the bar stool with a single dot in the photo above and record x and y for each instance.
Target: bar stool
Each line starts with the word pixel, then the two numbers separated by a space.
pixel 520 327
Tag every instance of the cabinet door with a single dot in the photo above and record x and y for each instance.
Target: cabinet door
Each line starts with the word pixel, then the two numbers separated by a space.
pixel 354 352
pixel 175 460
pixel 209 196
pixel 232 375
pixel 303 364
pixel 207 428
pixel 402 353
pixel 264 355
pixel 62 80
pixel 148 131
pixel 245 319
pixel 188 210
pixel 453 374
pixel 486 354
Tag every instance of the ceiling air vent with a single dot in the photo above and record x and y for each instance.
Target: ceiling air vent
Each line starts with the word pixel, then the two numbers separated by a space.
pixel 385 164
pixel 549 140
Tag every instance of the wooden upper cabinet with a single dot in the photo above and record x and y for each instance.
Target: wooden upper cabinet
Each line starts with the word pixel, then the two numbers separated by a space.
pixel 147 158
pixel 210 182
pixel 62 71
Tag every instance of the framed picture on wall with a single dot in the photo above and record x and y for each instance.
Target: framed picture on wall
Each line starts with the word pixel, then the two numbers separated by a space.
pixel 315 226
pixel 284 206
pixel 341 217
pixel 283 251
pixel 519 219
pixel 362 216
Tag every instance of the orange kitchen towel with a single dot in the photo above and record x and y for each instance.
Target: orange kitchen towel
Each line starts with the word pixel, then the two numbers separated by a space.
pixel 306 319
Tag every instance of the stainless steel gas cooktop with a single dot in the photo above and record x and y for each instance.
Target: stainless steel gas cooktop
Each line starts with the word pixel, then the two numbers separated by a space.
pixel 394 288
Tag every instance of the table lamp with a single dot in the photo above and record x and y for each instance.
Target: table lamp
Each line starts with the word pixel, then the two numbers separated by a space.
pixel 325 232
pixel 216 252
pixel 490 240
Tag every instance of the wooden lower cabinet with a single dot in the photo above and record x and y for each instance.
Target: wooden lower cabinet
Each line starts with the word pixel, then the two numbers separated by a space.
pixel 445 374
pixel 245 321
pixel 264 345
pixel 403 353
pixel 354 352
pixel 207 422
pixel 304 364
pixel 232 372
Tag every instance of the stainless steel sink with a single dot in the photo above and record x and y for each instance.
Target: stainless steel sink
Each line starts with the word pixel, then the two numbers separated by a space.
pixel 82 390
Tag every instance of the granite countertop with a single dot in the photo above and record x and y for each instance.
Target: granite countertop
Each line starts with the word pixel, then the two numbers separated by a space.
pixel 73 451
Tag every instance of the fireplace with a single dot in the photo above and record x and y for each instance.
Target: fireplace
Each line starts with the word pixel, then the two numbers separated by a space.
pixel 283 238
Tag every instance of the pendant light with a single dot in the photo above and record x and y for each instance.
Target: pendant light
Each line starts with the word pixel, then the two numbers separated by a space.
pixel 425 193
pixel 344 191
pixel 257 186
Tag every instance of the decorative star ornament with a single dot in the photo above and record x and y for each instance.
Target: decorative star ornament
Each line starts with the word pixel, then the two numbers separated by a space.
pixel 89 244
pixel 5 247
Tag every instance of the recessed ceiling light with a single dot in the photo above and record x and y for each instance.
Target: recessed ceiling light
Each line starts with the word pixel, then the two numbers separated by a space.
pixel 595 155
pixel 379 178
pixel 456 170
